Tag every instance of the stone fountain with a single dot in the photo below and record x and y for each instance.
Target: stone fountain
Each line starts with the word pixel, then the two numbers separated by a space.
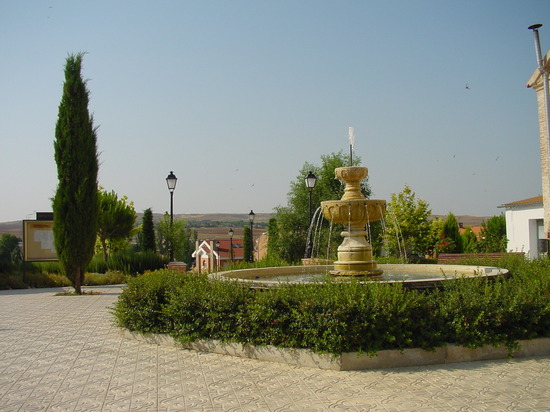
pixel 354 212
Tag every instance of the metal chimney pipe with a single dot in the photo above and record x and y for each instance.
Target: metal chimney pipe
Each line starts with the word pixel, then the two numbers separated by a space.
pixel 535 28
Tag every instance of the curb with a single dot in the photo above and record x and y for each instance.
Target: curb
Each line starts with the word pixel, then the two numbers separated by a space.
pixel 354 360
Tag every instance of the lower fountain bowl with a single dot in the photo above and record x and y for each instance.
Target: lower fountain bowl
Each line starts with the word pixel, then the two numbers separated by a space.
pixel 408 275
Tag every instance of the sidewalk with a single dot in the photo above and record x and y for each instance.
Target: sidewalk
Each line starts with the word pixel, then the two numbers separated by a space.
pixel 62 353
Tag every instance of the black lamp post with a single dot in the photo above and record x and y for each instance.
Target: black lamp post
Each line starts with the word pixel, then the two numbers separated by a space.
pixel 251 216
pixel 231 233
pixel 171 181
pixel 310 180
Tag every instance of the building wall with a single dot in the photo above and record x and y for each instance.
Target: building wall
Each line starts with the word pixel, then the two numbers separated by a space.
pixel 522 229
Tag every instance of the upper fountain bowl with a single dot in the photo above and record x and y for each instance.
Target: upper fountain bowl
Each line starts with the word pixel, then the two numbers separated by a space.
pixel 353 208
pixel 353 211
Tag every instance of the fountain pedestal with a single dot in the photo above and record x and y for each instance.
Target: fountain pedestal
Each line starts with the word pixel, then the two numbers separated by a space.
pixel 354 212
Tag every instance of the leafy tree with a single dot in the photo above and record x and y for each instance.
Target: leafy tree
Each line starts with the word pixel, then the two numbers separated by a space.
pixel 115 221
pixel 176 236
pixel 75 203
pixel 293 219
pixel 148 231
pixel 9 251
pixel 450 239
pixel 248 245
pixel 408 231
pixel 493 235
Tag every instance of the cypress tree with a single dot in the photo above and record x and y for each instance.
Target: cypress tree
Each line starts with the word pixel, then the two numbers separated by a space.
pixel 148 231
pixel 451 231
pixel 75 204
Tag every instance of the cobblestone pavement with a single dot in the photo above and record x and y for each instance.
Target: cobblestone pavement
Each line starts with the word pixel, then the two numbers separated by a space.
pixel 62 353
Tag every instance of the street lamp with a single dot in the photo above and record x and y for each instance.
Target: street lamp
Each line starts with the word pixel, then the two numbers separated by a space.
pixel 231 233
pixel 171 181
pixel 310 180
pixel 251 216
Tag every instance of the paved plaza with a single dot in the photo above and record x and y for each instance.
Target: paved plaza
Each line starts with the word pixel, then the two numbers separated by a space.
pixel 63 353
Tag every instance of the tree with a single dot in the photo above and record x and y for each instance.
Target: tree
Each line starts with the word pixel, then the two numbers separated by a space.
pixel 493 235
pixel 148 231
pixel 248 245
pixel 9 251
pixel 450 240
pixel 293 219
pixel 75 203
pixel 273 238
pixel 469 240
pixel 116 221
pixel 407 226
pixel 176 236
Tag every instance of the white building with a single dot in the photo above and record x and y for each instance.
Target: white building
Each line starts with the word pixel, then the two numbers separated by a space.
pixel 525 226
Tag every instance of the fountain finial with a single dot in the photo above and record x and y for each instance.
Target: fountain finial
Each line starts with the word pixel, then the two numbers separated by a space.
pixel 351 138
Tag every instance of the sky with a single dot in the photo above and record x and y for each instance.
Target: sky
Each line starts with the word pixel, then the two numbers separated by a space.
pixel 236 96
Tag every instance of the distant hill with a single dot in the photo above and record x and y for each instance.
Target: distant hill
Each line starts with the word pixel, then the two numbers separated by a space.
pixel 206 220
pixel 217 224
pixel 466 220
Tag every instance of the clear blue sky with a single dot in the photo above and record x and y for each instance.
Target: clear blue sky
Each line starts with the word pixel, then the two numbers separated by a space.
pixel 235 96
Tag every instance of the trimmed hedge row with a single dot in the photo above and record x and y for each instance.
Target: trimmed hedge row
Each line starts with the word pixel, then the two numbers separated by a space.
pixel 337 317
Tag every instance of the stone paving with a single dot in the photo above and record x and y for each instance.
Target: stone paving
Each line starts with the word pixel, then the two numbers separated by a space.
pixel 63 353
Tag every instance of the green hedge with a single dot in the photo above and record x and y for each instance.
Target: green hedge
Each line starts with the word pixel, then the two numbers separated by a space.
pixel 336 317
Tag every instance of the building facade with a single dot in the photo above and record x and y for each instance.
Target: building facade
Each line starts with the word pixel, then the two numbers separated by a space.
pixel 525 227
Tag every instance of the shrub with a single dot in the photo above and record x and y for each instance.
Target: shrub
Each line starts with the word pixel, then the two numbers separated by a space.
pixel 109 278
pixel 133 263
pixel 336 317
pixel 140 306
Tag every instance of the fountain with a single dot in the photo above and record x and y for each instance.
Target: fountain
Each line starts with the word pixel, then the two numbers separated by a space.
pixel 355 258
pixel 354 212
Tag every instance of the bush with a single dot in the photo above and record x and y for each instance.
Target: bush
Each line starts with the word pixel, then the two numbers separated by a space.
pixel 109 278
pixel 133 263
pixel 336 317
pixel 140 306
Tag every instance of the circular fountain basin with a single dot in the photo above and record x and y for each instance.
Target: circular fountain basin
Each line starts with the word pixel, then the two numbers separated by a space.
pixel 410 276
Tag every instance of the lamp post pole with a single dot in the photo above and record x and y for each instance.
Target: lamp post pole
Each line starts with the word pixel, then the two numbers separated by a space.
pixel 171 181
pixel 251 216
pixel 310 180
pixel 230 233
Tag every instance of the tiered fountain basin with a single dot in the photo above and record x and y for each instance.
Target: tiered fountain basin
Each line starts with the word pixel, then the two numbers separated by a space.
pixel 409 275
pixel 354 212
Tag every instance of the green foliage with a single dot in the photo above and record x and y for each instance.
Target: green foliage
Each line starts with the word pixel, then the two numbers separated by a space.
pixel 10 255
pixel 116 221
pixel 408 230
pixel 293 219
pixel 176 236
pixel 336 317
pixel 248 245
pixel 469 240
pixel 272 238
pixel 134 263
pixel 148 231
pixel 42 279
pixel 140 306
pixel 450 236
pixel 75 204
pixel 493 235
